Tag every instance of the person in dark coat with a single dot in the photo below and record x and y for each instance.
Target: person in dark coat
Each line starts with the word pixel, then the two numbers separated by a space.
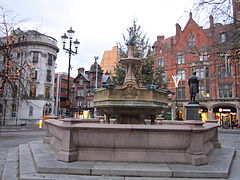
pixel 193 83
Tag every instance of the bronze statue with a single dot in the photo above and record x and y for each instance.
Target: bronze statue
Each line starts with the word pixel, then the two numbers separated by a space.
pixel 193 82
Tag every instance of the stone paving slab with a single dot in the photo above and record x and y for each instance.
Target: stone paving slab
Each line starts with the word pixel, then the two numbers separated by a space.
pixel 10 170
pixel 218 166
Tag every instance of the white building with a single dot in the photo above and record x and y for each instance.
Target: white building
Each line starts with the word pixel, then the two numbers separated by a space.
pixel 40 51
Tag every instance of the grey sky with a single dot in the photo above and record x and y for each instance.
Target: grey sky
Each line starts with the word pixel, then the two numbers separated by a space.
pixel 99 24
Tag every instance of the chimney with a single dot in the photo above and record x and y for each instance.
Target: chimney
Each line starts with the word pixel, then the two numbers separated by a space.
pixel 81 70
pixel 211 21
pixel 160 38
pixel 178 30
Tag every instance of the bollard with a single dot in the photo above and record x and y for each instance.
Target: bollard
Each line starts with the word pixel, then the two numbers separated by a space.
pixel 40 123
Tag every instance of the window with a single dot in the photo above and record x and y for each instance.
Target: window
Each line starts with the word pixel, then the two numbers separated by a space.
pixel 224 71
pixel 160 51
pixel 202 72
pixel 80 92
pixel 161 61
pixel 180 59
pixel 79 103
pixel 191 40
pixel 50 59
pixel 33 91
pixel 89 104
pixel 18 55
pixel 225 90
pixel 49 77
pixel 30 110
pixel 203 56
pixel 204 91
pixel 181 93
pixel 14 110
pixel 35 56
pixel 182 74
pixel 34 74
pixel 47 91
pixel 223 37
pixel 81 82
pixel 207 72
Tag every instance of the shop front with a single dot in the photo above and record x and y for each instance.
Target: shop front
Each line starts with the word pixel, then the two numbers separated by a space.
pixel 226 116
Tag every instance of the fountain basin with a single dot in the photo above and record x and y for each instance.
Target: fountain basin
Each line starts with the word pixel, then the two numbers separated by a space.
pixel 186 144
pixel 130 104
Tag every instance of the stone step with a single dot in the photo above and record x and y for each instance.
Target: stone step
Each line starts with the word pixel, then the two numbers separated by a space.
pixel 44 158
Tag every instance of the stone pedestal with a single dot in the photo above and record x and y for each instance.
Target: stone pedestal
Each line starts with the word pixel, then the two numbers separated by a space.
pixel 192 109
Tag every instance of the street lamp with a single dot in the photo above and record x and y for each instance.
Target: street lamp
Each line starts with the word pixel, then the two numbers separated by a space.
pixel 176 79
pixel 70 34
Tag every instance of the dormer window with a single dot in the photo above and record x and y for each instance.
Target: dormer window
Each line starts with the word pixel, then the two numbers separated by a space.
pixel 223 37
pixel 191 40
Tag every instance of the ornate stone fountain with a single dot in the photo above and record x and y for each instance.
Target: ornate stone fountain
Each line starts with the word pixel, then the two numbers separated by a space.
pixel 130 102
pixel 186 142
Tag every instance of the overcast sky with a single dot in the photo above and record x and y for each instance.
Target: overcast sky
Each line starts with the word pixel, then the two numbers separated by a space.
pixel 98 24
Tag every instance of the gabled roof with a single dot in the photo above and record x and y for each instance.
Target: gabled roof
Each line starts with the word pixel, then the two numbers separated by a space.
pixel 85 76
pixel 105 78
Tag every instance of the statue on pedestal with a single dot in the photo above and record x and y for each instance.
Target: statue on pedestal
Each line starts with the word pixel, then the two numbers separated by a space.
pixel 193 83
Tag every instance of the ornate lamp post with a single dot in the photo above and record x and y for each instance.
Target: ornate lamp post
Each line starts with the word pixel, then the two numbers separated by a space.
pixel 70 34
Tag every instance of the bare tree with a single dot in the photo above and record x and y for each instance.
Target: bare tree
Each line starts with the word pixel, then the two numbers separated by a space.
pixel 15 72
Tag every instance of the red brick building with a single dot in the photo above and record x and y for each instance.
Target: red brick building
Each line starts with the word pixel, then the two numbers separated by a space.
pixel 194 48
pixel 60 92
pixel 84 87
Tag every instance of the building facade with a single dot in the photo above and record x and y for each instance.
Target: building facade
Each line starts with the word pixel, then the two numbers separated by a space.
pixel 40 52
pixel 85 84
pixel 60 92
pixel 202 50
pixel 109 60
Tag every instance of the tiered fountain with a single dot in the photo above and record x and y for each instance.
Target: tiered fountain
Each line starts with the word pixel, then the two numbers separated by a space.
pixel 130 102
pixel 130 140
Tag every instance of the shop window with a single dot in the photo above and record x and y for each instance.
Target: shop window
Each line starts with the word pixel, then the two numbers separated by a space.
pixel 225 90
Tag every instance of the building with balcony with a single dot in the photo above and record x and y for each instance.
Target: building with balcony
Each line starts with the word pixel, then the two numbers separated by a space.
pixel 38 51
pixel 194 48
